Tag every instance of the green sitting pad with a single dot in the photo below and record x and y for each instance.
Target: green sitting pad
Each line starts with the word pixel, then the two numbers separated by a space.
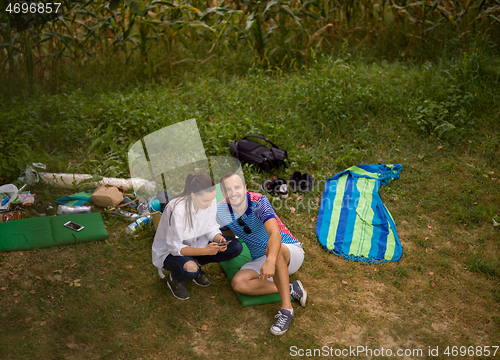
pixel 41 232
pixel 232 266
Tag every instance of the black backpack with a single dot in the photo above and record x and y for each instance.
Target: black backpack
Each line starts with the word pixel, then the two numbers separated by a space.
pixel 249 151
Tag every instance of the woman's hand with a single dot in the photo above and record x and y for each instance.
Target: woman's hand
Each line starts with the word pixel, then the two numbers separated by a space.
pixel 212 248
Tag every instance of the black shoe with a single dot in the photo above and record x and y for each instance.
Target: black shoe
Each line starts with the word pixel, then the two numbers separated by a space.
pixel 177 288
pixel 295 180
pixel 276 187
pixel 201 280
pixel 301 182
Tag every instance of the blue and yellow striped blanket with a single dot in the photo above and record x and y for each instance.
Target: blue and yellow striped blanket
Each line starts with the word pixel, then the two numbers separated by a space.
pixel 352 220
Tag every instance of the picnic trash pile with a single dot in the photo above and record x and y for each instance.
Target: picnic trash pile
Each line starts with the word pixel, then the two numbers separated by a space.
pixel 109 195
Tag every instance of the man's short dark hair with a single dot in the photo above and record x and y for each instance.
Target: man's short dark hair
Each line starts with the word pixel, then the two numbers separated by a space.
pixel 228 175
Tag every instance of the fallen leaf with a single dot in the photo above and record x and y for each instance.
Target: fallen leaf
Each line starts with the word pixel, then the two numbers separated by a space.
pixel 32 292
pixel 4 288
pixel 313 218
pixel 38 277
pixel 396 149
pixel 337 335
pixel 292 210
pixel 430 227
pixel 72 346
pixel 427 238
pixel 204 327
pixel 43 323
pixel 440 147
pixel 311 226
pixel 265 343
pixel 58 271
pixel 300 197
pixel 344 282
pixel 303 146
pixel 431 273
pixel 154 335
pixel 433 284
pixel 129 266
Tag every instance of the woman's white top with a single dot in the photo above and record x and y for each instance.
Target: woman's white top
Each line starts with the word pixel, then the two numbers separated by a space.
pixel 170 239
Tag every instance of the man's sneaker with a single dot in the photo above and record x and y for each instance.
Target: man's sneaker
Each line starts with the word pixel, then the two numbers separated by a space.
pixel 281 325
pixel 298 292
pixel 177 288
pixel 201 280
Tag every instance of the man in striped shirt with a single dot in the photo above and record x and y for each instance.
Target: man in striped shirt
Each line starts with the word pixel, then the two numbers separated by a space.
pixel 275 252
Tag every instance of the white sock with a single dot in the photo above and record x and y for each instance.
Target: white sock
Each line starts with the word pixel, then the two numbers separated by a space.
pixel 290 310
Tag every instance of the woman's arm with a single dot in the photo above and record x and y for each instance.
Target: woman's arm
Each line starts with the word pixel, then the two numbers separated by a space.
pixel 211 249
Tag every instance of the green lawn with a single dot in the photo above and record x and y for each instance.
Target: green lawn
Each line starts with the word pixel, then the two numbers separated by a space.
pixel 439 120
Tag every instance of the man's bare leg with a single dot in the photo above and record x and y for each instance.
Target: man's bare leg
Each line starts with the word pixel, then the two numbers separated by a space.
pixel 247 281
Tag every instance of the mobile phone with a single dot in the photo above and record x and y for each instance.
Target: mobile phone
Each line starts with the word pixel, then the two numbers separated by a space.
pixel 73 226
pixel 224 243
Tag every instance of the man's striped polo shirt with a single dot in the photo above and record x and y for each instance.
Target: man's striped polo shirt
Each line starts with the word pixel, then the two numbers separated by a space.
pixel 258 211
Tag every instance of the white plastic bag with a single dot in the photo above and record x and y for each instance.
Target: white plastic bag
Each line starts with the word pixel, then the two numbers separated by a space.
pixel 11 191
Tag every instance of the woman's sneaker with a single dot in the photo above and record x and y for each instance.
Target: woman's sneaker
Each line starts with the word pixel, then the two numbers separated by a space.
pixel 281 325
pixel 177 288
pixel 201 280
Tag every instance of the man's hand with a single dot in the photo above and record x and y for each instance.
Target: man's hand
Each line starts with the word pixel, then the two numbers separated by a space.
pixel 267 270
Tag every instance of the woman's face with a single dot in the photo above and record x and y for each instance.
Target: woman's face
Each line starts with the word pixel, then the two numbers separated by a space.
pixel 203 199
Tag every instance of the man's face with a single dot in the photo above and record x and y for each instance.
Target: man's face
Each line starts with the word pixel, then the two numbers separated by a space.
pixel 234 190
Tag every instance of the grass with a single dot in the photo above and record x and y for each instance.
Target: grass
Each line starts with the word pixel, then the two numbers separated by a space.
pixel 338 113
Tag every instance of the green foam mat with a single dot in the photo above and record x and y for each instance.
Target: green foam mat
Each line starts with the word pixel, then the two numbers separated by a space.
pixel 41 232
pixel 232 266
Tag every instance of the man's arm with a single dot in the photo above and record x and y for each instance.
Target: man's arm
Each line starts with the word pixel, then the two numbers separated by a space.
pixel 273 248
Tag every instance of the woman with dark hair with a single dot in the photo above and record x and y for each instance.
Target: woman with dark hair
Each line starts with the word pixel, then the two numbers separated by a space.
pixel 188 236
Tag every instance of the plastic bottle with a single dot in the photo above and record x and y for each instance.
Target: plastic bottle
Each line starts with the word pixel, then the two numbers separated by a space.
pixel 64 209
pixel 125 214
pixel 143 220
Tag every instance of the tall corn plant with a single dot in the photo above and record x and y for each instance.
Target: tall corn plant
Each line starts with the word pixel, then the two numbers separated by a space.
pixel 16 47
pixel 462 17
pixel 176 22
pixel 265 19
